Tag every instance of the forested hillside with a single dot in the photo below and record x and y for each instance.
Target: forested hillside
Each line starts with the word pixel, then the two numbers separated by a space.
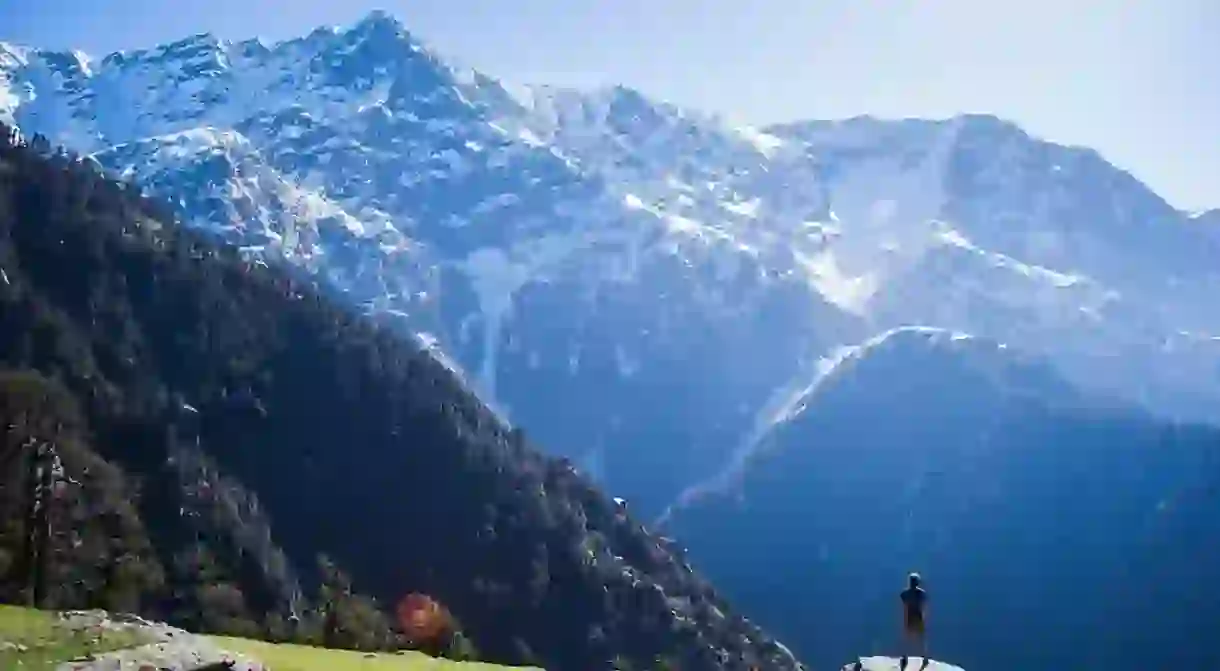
pixel 242 455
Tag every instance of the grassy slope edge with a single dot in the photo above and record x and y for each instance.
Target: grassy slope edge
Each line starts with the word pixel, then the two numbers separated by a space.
pixel 34 640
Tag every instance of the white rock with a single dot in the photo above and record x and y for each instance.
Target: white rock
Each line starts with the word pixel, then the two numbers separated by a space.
pixel 895 664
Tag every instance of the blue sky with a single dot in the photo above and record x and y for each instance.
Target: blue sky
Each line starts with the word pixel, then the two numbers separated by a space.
pixel 1139 80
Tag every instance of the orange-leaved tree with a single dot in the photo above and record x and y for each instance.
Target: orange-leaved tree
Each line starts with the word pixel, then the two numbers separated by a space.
pixel 423 620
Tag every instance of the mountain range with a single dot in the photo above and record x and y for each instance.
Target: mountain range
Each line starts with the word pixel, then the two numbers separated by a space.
pixel 614 273
pixel 689 309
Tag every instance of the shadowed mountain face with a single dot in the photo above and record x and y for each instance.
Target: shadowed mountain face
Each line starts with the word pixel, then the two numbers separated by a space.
pixel 638 285
pixel 1052 531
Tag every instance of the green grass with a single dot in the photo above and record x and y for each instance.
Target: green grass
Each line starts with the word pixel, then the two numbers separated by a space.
pixel 48 642
pixel 289 657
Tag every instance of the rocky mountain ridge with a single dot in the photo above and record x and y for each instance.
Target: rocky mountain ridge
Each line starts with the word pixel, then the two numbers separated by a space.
pixel 571 250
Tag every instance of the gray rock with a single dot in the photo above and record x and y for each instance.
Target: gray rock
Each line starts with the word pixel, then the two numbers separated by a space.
pixel 172 650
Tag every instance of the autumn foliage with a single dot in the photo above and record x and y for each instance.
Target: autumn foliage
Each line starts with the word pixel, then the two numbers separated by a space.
pixel 423 620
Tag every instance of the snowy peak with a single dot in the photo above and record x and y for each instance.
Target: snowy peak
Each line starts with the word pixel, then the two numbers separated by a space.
pixel 601 249
pixel 199 53
pixel 1012 193
pixel 202 80
pixel 379 20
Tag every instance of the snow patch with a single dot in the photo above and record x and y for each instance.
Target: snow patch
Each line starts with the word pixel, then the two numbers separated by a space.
pixel 13 55
pixel 850 293
pixel 955 238
pixel 680 224
pixel 432 344
pixel 8 102
pixel 634 202
pixel 496 275
pixel 495 279
pixel 880 208
pixel 529 138
pixel 12 58
pixel 747 208
pixel 765 143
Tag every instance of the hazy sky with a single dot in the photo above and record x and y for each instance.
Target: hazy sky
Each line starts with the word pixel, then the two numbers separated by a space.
pixel 1139 80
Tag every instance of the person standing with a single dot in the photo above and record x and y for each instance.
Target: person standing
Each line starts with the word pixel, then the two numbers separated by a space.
pixel 914 609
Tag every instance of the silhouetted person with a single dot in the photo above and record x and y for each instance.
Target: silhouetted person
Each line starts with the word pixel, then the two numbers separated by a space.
pixel 914 605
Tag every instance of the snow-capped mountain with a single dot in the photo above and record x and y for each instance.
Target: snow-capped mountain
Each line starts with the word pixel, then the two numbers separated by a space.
pixel 613 271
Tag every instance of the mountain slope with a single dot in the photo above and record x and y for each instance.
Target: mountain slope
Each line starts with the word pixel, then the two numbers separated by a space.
pixel 571 250
pixel 1054 530
pixel 259 425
